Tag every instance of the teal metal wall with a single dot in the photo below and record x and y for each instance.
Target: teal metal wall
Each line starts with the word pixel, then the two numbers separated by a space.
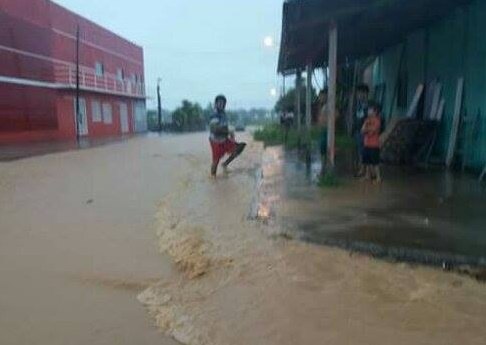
pixel 447 50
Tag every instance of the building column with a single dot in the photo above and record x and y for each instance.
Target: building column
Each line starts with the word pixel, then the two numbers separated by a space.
pixel 331 126
pixel 298 110
pixel 308 105
pixel 352 101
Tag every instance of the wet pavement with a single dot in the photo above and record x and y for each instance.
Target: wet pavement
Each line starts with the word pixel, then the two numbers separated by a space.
pixel 12 152
pixel 427 217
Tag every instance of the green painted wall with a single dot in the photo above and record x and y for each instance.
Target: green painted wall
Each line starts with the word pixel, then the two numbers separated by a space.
pixel 452 47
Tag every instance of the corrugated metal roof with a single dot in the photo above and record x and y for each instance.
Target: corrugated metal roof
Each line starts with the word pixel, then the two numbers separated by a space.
pixel 365 27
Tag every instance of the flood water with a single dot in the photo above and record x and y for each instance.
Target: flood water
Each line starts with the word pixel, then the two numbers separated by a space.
pixel 77 243
pixel 243 281
pixel 431 217
pixel 88 238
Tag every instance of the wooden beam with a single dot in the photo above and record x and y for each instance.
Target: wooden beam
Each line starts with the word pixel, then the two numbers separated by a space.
pixel 331 119
pixel 435 103
pixel 298 110
pixel 308 100
pixel 455 122
pixel 483 175
pixel 352 99
pixel 412 111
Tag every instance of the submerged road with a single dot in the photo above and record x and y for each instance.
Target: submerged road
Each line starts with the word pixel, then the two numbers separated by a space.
pixel 77 242
pixel 80 234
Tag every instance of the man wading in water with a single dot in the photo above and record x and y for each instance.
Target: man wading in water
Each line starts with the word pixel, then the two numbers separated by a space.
pixel 222 140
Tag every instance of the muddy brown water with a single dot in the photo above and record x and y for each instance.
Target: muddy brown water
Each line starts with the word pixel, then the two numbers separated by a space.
pixel 77 242
pixel 244 282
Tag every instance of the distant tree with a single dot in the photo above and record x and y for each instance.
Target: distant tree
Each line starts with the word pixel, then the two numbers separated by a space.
pixel 286 103
pixel 153 119
pixel 188 117
pixel 208 112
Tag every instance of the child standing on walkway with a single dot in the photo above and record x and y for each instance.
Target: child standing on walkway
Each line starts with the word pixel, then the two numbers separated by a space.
pixel 371 132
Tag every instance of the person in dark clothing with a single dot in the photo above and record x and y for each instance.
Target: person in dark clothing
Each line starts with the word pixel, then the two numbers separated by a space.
pixel 222 140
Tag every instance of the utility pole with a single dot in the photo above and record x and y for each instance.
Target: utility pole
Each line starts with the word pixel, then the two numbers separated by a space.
pixel 77 85
pixel 159 106
pixel 331 127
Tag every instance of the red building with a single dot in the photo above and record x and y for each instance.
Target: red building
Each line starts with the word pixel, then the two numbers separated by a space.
pixel 38 76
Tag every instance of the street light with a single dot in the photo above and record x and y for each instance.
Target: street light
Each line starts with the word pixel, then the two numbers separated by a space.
pixel 159 105
pixel 268 41
pixel 273 92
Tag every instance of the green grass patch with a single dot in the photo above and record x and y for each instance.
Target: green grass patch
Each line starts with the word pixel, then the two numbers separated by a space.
pixel 329 180
pixel 274 135
pixel 270 135
pixel 344 142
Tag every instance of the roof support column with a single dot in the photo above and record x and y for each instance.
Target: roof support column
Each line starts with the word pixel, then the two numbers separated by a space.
pixel 298 110
pixel 331 125
pixel 308 113
pixel 308 98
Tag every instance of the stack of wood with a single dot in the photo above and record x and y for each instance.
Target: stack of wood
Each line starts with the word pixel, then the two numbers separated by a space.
pixel 408 138
pixel 399 139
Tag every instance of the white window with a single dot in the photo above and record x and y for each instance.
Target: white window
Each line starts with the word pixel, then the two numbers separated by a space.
pixel 120 75
pixel 99 69
pixel 96 111
pixel 107 113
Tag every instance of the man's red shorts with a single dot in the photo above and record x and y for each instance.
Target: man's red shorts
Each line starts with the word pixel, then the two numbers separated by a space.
pixel 220 149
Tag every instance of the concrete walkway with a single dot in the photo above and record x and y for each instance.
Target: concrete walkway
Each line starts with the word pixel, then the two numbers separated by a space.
pixel 428 217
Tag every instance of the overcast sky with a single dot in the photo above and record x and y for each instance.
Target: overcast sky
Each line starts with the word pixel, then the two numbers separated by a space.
pixel 198 47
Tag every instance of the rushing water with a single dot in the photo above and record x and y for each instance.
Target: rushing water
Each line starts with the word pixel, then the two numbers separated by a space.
pixel 242 281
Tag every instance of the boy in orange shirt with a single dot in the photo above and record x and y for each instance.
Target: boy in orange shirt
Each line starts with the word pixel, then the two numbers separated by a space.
pixel 371 153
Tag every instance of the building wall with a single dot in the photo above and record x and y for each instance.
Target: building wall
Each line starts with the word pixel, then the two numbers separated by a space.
pixel 97 44
pixel 36 36
pixel 453 47
pixel 96 129
pixel 25 111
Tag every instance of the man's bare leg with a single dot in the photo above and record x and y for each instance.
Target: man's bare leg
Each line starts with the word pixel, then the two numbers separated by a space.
pixel 240 147
pixel 377 174
pixel 214 169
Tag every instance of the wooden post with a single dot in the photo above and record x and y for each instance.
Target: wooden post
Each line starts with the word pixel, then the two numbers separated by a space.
pixel 483 175
pixel 308 102
pixel 308 114
pixel 455 122
pixel 298 110
pixel 283 85
pixel 350 117
pixel 331 125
